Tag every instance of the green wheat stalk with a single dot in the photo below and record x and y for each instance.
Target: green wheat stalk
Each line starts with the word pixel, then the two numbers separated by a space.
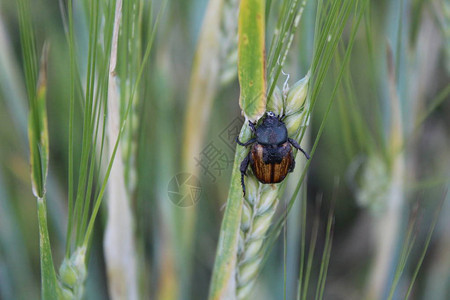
pixel 93 99
pixel 36 83
pixel 328 32
pixel 261 200
pixel 252 260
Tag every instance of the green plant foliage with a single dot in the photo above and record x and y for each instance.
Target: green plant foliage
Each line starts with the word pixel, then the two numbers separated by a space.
pixel 39 144
pixel 110 103
pixel 251 58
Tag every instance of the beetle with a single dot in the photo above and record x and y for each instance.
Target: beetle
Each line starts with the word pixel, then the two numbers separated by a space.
pixel 270 156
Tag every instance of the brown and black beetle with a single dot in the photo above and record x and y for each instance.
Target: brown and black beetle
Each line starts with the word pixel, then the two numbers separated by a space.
pixel 271 156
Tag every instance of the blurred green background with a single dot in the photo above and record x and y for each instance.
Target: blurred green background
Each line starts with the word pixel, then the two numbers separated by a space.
pixel 351 167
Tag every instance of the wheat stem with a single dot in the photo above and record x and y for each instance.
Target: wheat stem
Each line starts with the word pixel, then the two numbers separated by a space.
pixel 261 200
pixel 119 242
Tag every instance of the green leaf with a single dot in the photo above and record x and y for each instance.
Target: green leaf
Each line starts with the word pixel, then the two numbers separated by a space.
pixel 39 152
pixel 251 60
pixel 222 286
pixel 38 131
pixel 49 282
pixel 39 144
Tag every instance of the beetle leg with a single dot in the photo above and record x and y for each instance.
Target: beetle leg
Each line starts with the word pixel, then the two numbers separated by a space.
pixel 243 168
pixel 249 142
pixel 296 145
pixel 292 166
pixel 252 126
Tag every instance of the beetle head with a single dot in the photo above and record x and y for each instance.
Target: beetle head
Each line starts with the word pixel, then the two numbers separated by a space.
pixel 271 118
pixel 270 114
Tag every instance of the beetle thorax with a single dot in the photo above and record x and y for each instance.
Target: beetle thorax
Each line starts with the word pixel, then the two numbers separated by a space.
pixel 272 131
